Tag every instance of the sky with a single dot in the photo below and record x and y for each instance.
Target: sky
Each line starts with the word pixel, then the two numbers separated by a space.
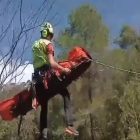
pixel 115 14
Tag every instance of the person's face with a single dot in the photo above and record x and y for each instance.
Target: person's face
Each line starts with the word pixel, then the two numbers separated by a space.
pixel 50 37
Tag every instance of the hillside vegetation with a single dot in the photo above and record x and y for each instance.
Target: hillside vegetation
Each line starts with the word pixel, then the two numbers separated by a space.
pixel 106 101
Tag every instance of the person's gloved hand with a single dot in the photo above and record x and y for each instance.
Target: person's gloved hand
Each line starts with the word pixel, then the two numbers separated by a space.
pixel 35 103
pixel 66 71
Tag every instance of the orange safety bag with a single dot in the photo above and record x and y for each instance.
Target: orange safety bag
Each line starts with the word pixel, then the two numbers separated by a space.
pixel 20 104
pixel 78 61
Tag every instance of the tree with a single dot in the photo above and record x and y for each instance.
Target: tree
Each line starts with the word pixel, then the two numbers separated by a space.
pixel 122 103
pixel 85 29
pixel 18 36
pixel 128 37
pixel 129 41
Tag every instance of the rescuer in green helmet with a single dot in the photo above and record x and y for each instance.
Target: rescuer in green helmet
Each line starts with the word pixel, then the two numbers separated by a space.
pixel 43 58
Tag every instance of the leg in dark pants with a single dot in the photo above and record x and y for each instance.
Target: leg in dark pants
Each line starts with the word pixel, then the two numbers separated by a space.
pixel 43 119
pixel 41 94
pixel 68 113
pixel 43 98
pixel 67 107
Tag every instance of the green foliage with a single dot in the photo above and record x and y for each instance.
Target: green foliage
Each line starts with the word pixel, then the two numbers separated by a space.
pixel 128 37
pixel 105 102
pixel 85 29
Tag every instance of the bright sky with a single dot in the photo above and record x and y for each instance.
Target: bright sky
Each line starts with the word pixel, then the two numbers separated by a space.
pixel 115 13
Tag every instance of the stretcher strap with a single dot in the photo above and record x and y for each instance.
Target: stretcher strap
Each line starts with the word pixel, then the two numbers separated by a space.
pixel 19 125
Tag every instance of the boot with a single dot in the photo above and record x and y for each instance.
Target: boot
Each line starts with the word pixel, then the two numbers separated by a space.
pixel 71 130
pixel 43 136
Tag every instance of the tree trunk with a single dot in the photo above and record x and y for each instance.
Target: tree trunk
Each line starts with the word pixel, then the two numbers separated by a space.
pixel 90 115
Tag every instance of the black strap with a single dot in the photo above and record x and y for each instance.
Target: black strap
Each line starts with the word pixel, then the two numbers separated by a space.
pixel 72 66
pixel 21 116
pixel 19 125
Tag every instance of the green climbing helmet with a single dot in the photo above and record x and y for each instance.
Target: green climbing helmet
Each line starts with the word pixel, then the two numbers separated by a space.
pixel 47 29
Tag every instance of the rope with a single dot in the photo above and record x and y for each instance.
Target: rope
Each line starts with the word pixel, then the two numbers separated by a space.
pixel 113 67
